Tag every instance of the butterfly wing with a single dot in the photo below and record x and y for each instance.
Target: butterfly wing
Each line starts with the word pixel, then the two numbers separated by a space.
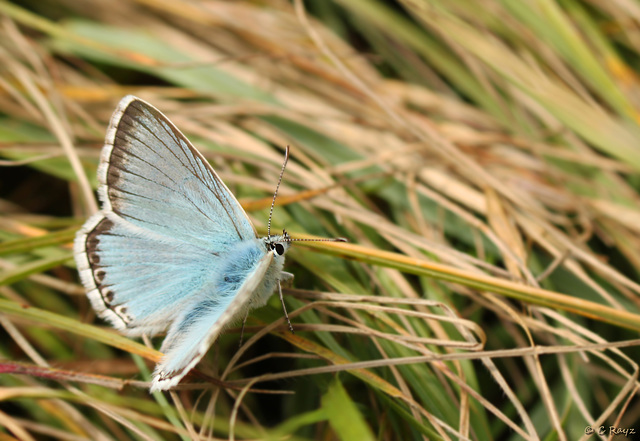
pixel 153 177
pixel 166 216
pixel 137 279
pixel 200 323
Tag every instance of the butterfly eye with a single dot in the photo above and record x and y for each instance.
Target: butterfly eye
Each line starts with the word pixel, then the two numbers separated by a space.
pixel 279 249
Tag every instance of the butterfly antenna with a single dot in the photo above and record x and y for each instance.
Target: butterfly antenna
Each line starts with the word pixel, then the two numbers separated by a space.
pixel 275 194
pixel 333 239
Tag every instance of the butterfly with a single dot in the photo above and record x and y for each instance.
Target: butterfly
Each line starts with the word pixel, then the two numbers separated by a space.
pixel 171 248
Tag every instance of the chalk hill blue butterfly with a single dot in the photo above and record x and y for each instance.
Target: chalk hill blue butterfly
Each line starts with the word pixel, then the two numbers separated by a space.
pixel 171 249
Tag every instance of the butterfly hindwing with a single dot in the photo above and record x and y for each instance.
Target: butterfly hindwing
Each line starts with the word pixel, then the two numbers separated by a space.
pixel 202 320
pixel 137 279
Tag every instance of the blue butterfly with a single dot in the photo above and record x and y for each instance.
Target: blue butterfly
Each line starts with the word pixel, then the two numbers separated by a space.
pixel 171 249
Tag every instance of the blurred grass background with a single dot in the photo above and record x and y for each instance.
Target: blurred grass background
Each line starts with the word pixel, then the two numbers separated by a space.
pixel 482 157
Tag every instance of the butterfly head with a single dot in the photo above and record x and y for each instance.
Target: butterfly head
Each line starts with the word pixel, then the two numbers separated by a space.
pixel 278 245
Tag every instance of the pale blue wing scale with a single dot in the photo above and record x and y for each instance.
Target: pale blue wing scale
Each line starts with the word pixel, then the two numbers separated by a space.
pixel 207 314
pixel 154 178
pixel 137 279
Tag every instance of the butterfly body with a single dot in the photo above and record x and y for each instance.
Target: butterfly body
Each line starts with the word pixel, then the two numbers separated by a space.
pixel 240 260
pixel 171 249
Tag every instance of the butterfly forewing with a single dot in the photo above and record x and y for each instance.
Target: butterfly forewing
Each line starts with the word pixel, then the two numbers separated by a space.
pixel 153 177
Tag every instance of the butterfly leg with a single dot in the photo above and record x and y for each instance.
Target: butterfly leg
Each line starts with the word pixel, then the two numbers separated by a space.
pixel 286 278
pixel 244 322
pixel 284 308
